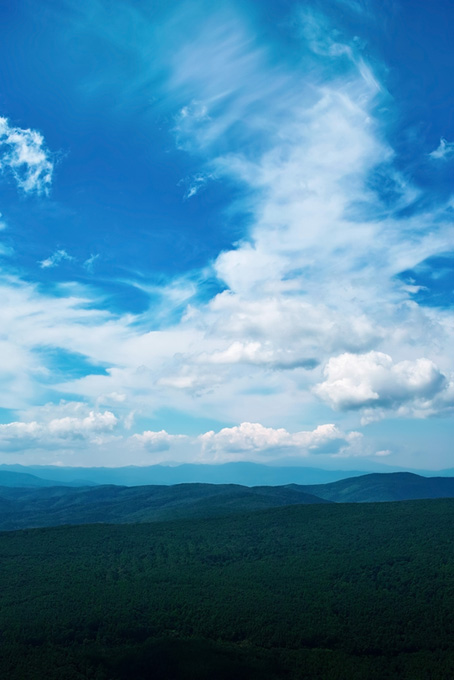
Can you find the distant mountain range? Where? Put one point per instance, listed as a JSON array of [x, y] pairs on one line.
[[38, 503], [24, 479], [247, 474], [244, 473]]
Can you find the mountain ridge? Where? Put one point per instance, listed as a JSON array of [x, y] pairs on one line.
[[245, 473], [54, 506], [27, 507], [378, 487]]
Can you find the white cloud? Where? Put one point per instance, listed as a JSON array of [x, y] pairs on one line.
[[55, 259], [99, 436], [286, 324], [316, 275], [34, 321], [158, 441], [444, 151], [82, 427], [373, 380], [251, 439], [58, 432], [257, 354], [23, 153]]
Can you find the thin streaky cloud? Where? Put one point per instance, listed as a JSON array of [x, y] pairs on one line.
[[55, 259], [89, 263], [444, 151]]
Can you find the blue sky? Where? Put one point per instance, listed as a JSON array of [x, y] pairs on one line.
[[227, 232]]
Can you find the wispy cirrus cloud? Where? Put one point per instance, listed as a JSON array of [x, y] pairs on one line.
[[89, 263], [196, 183], [444, 151], [55, 259]]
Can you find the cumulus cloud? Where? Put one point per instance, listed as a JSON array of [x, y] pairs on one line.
[[57, 432], [82, 427], [355, 381], [254, 438], [24, 155], [249, 441]]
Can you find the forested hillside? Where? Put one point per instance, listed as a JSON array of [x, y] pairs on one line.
[[376, 487], [26, 507], [332, 592], [53, 506]]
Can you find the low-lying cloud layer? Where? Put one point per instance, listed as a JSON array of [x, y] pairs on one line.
[[104, 434]]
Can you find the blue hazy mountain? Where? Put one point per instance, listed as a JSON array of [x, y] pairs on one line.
[[24, 479], [247, 474]]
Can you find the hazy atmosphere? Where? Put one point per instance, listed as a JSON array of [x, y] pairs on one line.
[[227, 233]]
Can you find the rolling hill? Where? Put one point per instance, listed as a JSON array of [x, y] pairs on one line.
[[34, 506], [53, 506], [375, 487]]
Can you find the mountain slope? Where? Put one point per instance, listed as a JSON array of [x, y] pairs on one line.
[[110, 504], [376, 487], [57, 505]]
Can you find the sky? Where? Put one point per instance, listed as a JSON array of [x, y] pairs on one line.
[[226, 232]]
